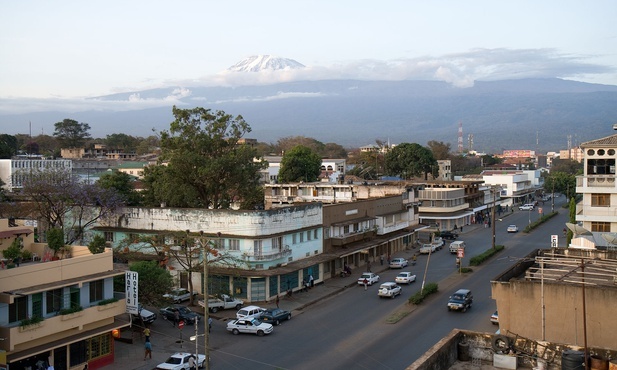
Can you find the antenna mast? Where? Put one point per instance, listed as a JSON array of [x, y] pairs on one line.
[[460, 137]]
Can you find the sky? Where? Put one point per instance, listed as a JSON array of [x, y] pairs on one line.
[[69, 50]]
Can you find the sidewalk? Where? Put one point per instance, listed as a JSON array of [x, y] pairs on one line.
[[129, 356]]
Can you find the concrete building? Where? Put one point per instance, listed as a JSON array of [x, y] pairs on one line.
[[597, 212], [14, 171], [445, 170], [517, 187], [57, 311], [444, 204]]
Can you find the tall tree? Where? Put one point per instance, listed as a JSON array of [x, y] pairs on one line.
[[122, 183], [411, 160], [66, 203], [300, 164], [201, 163], [154, 281], [560, 182], [440, 149], [122, 141], [572, 215], [8, 146], [71, 134]]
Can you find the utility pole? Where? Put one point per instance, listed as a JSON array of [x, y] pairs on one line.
[[493, 218]]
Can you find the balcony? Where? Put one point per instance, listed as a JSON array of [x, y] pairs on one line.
[[594, 181], [59, 326], [265, 256], [345, 239], [445, 209]]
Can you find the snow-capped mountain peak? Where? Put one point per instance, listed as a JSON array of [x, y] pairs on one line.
[[257, 63]]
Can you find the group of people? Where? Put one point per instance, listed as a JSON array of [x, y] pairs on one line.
[[308, 283]]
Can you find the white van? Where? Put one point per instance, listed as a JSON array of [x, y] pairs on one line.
[[454, 246], [250, 312]]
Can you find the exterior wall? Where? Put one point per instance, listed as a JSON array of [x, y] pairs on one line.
[[12, 171], [445, 170], [520, 312], [72, 153]]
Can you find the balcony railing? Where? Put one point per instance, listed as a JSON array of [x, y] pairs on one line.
[[345, 239], [595, 181], [265, 256]]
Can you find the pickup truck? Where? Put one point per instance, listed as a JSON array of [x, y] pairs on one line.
[[222, 303]]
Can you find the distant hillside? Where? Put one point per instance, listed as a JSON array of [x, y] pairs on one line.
[[518, 114]]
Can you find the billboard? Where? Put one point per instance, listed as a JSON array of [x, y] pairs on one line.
[[132, 300]]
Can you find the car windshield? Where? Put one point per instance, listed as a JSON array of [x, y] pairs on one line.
[[367, 276], [174, 360], [458, 297], [403, 274]]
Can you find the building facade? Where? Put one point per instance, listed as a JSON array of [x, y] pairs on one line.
[[14, 171], [60, 312]]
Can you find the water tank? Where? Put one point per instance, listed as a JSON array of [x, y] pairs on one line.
[[572, 360]]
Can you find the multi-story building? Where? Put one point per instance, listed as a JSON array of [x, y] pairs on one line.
[[14, 171], [61, 311], [446, 204], [267, 251], [597, 212]]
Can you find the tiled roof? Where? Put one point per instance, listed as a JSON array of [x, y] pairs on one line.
[[609, 141]]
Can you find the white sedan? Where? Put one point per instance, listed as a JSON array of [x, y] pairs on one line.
[[180, 361], [250, 325], [405, 277], [512, 229], [398, 263], [370, 277], [438, 242], [389, 290]]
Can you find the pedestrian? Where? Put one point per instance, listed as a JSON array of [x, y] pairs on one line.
[[388, 259], [461, 228], [176, 317], [277, 301], [381, 259], [192, 363], [365, 284], [455, 227], [147, 334], [368, 266], [148, 348], [311, 281]]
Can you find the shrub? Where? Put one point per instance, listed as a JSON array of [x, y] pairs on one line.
[[479, 259], [429, 288], [107, 301], [97, 245], [68, 311], [55, 240], [31, 321]]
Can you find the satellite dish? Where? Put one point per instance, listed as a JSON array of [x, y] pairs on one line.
[[611, 238], [577, 229]]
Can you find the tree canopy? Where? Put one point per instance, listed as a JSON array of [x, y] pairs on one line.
[[300, 164], [440, 149], [202, 165], [122, 183], [71, 133], [410, 160], [560, 182], [8, 146], [154, 281]]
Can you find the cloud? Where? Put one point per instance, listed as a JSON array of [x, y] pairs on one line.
[[458, 69]]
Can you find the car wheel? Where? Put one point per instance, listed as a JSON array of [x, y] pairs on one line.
[[276, 322], [289, 317], [260, 333], [238, 306], [235, 332], [464, 309], [214, 309], [203, 364]]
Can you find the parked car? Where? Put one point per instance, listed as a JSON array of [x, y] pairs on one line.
[[389, 290], [250, 312], [222, 303], [370, 277], [179, 295], [456, 245], [428, 248], [461, 300], [180, 361], [251, 326], [398, 263], [512, 229], [146, 316], [405, 277], [495, 318], [526, 207], [448, 235], [438, 241], [185, 314], [275, 316]]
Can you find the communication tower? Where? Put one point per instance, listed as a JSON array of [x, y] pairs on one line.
[[460, 136]]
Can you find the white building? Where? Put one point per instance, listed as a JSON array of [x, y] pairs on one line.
[[597, 212], [14, 171]]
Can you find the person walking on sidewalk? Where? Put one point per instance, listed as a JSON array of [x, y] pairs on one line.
[[147, 334], [311, 281], [381, 259], [365, 284], [277, 301], [148, 350]]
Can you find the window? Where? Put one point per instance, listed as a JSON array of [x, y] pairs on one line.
[[603, 227], [601, 166], [75, 297], [600, 200], [308, 235], [18, 310], [257, 247], [53, 301], [234, 244], [277, 243], [316, 234], [109, 236], [346, 229], [301, 237], [96, 291], [37, 305], [294, 239]]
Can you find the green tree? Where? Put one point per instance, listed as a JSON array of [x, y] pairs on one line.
[[147, 145], [560, 182], [572, 215], [153, 282], [122, 184], [71, 134], [566, 165], [97, 245], [122, 141], [440, 149], [202, 165], [410, 160], [55, 239], [8, 146], [300, 164]]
